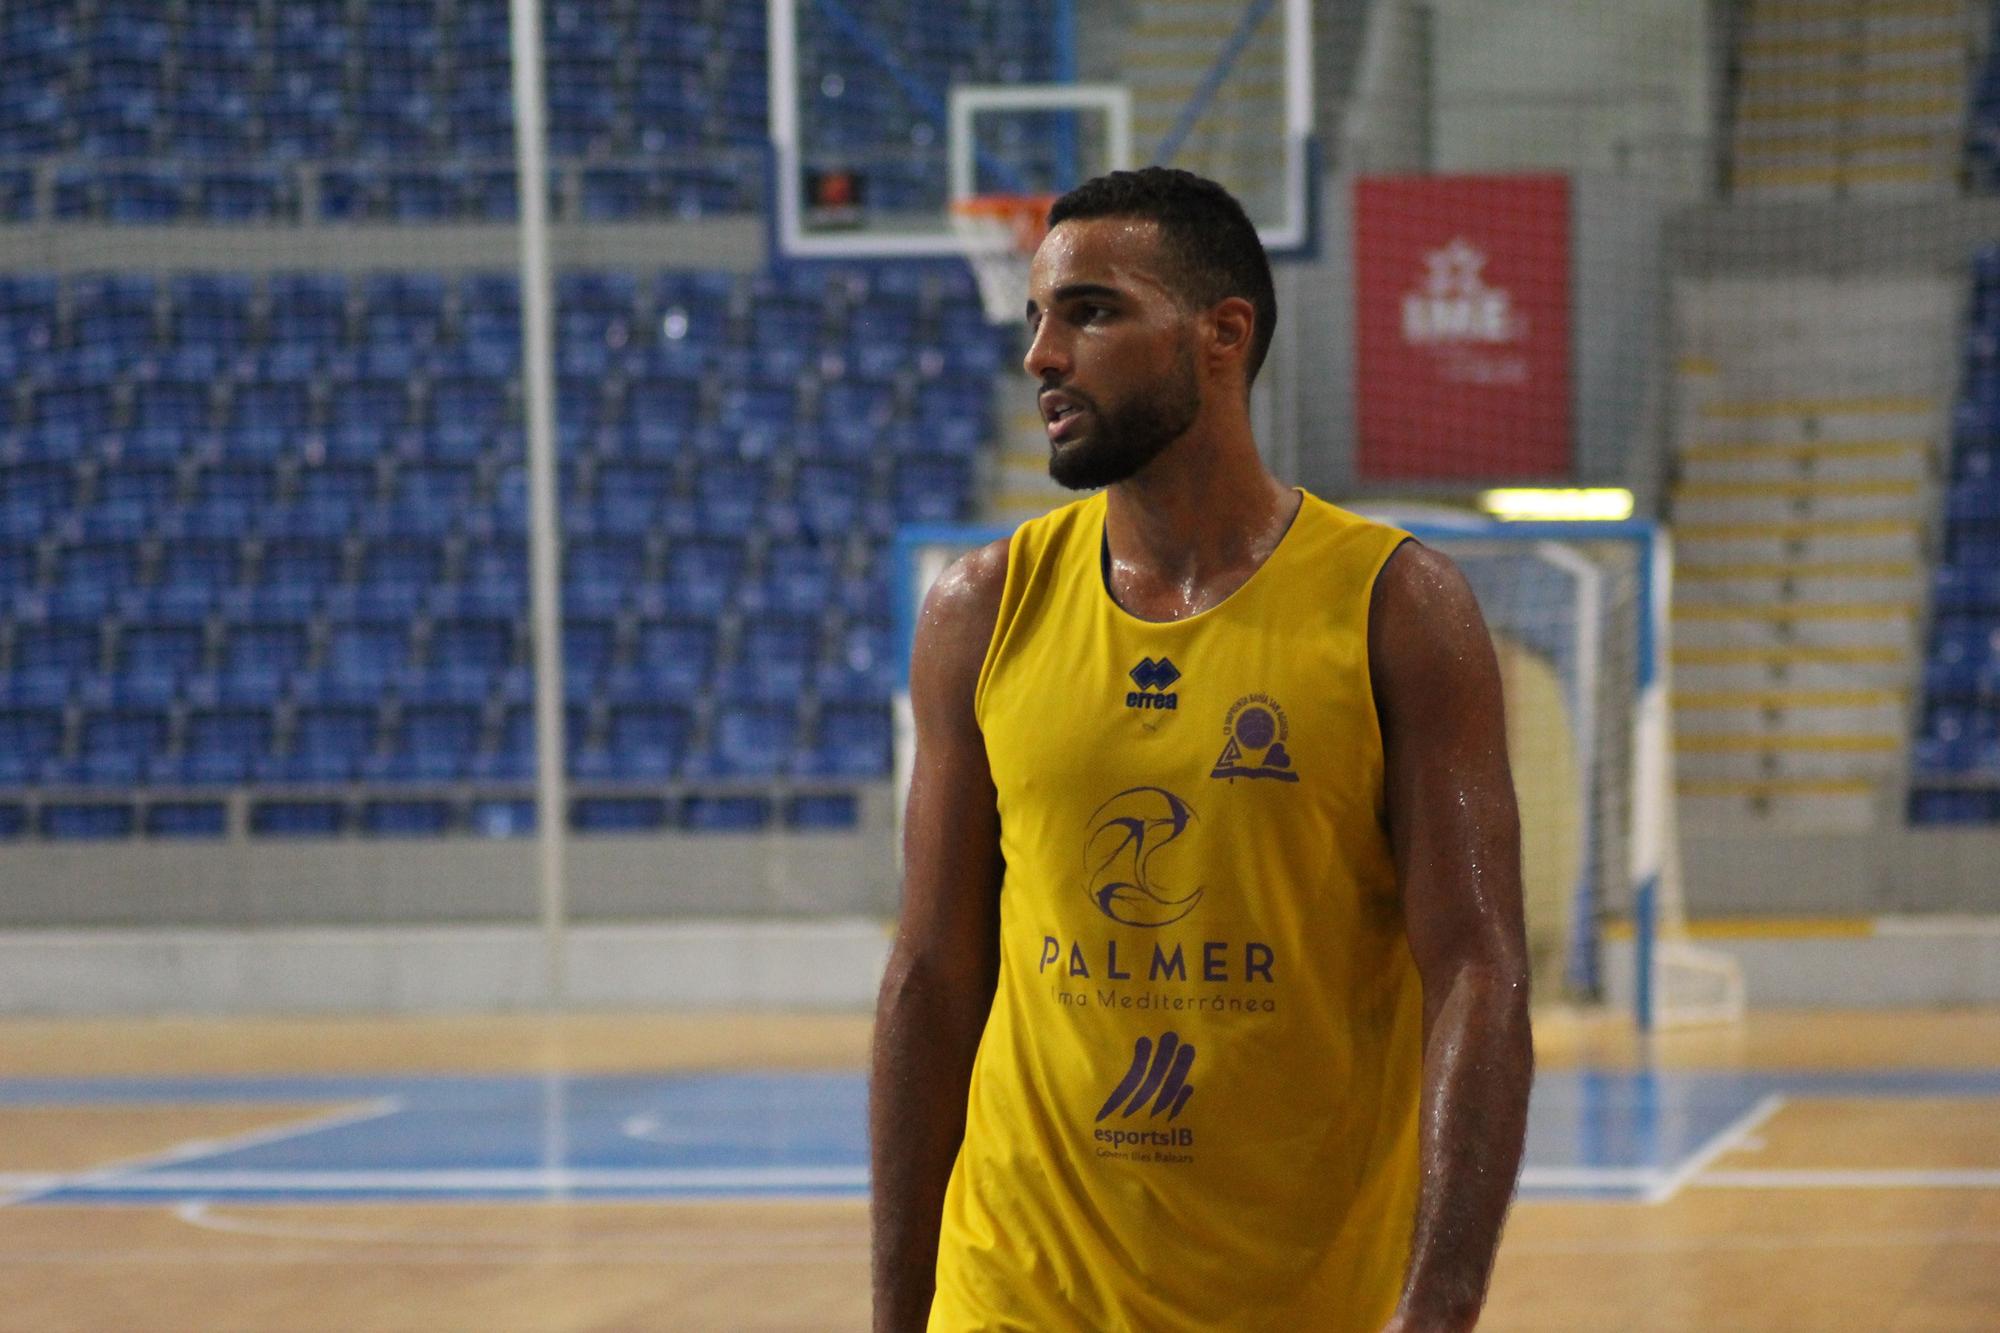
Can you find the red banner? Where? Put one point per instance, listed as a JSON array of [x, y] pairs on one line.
[[1462, 327]]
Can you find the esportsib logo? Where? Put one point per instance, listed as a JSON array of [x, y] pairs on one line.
[[1157, 1075]]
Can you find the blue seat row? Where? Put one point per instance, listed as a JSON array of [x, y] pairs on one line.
[[338, 743], [1955, 756], [97, 818]]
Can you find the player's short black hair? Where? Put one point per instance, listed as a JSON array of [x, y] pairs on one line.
[[1212, 250]]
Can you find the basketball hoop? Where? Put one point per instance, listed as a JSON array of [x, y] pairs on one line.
[[998, 234]]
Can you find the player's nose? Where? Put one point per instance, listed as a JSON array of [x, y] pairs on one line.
[[1046, 358]]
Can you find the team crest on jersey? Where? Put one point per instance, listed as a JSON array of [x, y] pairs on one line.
[[1258, 744]]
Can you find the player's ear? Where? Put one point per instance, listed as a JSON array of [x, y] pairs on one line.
[[1234, 322]]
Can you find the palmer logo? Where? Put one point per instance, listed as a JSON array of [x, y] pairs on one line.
[[1159, 1075], [1154, 680], [1456, 305]]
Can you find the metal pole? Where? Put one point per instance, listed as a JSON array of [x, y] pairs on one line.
[[544, 537]]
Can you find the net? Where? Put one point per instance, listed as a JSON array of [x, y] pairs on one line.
[[1574, 613], [998, 234]]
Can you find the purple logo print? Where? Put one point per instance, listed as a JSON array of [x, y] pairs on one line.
[[1156, 1075], [1127, 833], [1257, 733]]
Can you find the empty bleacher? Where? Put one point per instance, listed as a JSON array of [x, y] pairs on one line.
[[1810, 411], [263, 543], [241, 110], [1837, 98]]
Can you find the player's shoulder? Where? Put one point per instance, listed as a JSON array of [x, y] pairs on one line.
[[1424, 621], [1421, 578], [964, 602], [973, 581]]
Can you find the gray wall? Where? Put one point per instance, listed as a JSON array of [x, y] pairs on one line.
[[377, 881]]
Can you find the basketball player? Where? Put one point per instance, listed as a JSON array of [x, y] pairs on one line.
[[1208, 1006]]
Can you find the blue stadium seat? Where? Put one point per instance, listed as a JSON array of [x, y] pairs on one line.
[[308, 309], [329, 743], [117, 748], [862, 668], [306, 562], [30, 738], [730, 495], [186, 819], [702, 576], [648, 741], [366, 656], [224, 746], [619, 814], [852, 741], [751, 741], [726, 814], [773, 661], [195, 572], [245, 194], [87, 820], [799, 578], [478, 404], [266, 421], [435, 742], [484, 644], [247, 483], [298, 819], [932, 490], [588, 645], [422, 818], [675, 659]]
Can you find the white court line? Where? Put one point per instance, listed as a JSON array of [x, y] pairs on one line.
[[110, 1176], [1776, 1241], [483, 1181], [1731, 1137], [1590, 1177], [1889, 1178], [371, 1260]]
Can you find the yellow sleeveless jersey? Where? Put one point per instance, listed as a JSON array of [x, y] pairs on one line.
[[1195, 1103]]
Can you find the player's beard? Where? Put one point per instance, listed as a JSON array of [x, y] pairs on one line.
[[1128, 435]]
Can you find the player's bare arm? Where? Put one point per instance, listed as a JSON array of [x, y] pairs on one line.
[[1456, 837], [938, 987]]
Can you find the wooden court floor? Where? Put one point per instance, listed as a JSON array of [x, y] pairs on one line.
[[1869, 1202]]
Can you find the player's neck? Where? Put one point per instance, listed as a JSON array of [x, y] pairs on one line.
[[1206, 508]]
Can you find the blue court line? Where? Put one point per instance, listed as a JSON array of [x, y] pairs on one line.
[[1591, 1135]]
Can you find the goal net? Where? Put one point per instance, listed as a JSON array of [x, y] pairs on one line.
[[1576, 616]]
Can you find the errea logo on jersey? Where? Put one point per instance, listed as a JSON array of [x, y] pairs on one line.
[[1153, 679]]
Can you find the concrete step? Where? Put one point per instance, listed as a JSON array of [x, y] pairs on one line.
[[1807, 540], [1702, 756], [1865, 80], [1756, 54], [1886, 625], [1889, 717], [1723, 805], [1832, 146], [1776, 582], [1829, 460], [1840, 181], [1751, 674]]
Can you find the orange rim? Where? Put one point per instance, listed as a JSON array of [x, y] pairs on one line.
[[1025, 215]]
